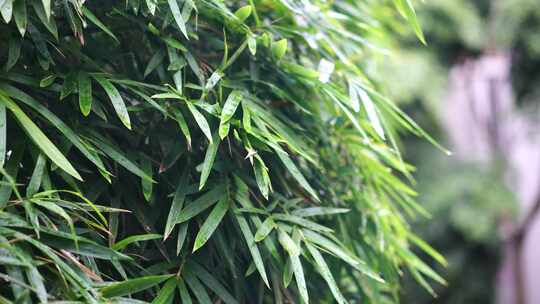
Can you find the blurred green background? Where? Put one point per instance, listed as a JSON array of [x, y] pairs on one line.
[[467, 200]]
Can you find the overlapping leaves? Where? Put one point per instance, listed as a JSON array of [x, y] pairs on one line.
[[233, 148]]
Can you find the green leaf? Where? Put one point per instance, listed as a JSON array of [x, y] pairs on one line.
[[47, 81], [132, 286], [173, 5], [287, 243], [341, 253], [316, 211], [40, 139], [38, 283], [230, 106], [371, 111], [201, 121], [45, 19], [296, 173], [135, 238], [154, 62], [264, 230], [202, 203], [279, 48], [14, 52], [261, 176], [21, 19], [252, 246], [197, 288], [166, 292], [212, 222], [182, 234], [184, 294], [326, 273], [243, 13], [7, 10], [47, 7], [85, 93], [301, 221], [177, 204], [298, 271], [252, 44], [56, 122], [183, 126], [406, 7], [287, 273], [146, 184], [88, 14], [209, 160], [3, 134], [69, 86], [116, 99], [211, 282], [37, 176], [119, 157]]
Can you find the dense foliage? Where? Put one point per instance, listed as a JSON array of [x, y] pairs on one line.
[[201, 150]]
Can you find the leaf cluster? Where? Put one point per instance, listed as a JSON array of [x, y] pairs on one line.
[[181, 150]]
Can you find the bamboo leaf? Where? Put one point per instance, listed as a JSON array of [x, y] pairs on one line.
[[296, 173], [298, 271], [14, 51], [146, 184], [154, 62], [212, 283], [47, 7], [37, 176], [212, 222], [21, 19], [209, 158], [116, 100], [197, 288], [252, 246], [177, 205], [6, 10], [201, 121], [173, 5], [326, 273], [123, 161], [40, 139], [85, 93], [135, 238], [201, 204], [264, 230], [3, 134], [166, 292], [88, 14], [184, 294], [132, 286]]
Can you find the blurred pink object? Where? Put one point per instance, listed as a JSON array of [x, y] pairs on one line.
[[483, 125]]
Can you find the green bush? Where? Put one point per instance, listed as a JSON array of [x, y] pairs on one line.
[[201, 150]]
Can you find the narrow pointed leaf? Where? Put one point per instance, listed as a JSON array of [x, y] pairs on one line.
[[132, 286], [173, 5], [40, 139], [201, 121], [209, 158], [252, 246], [116, 100], [264, 230], [85, 93], [211, 223]]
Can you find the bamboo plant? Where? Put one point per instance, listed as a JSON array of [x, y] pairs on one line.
[[202, 151]]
